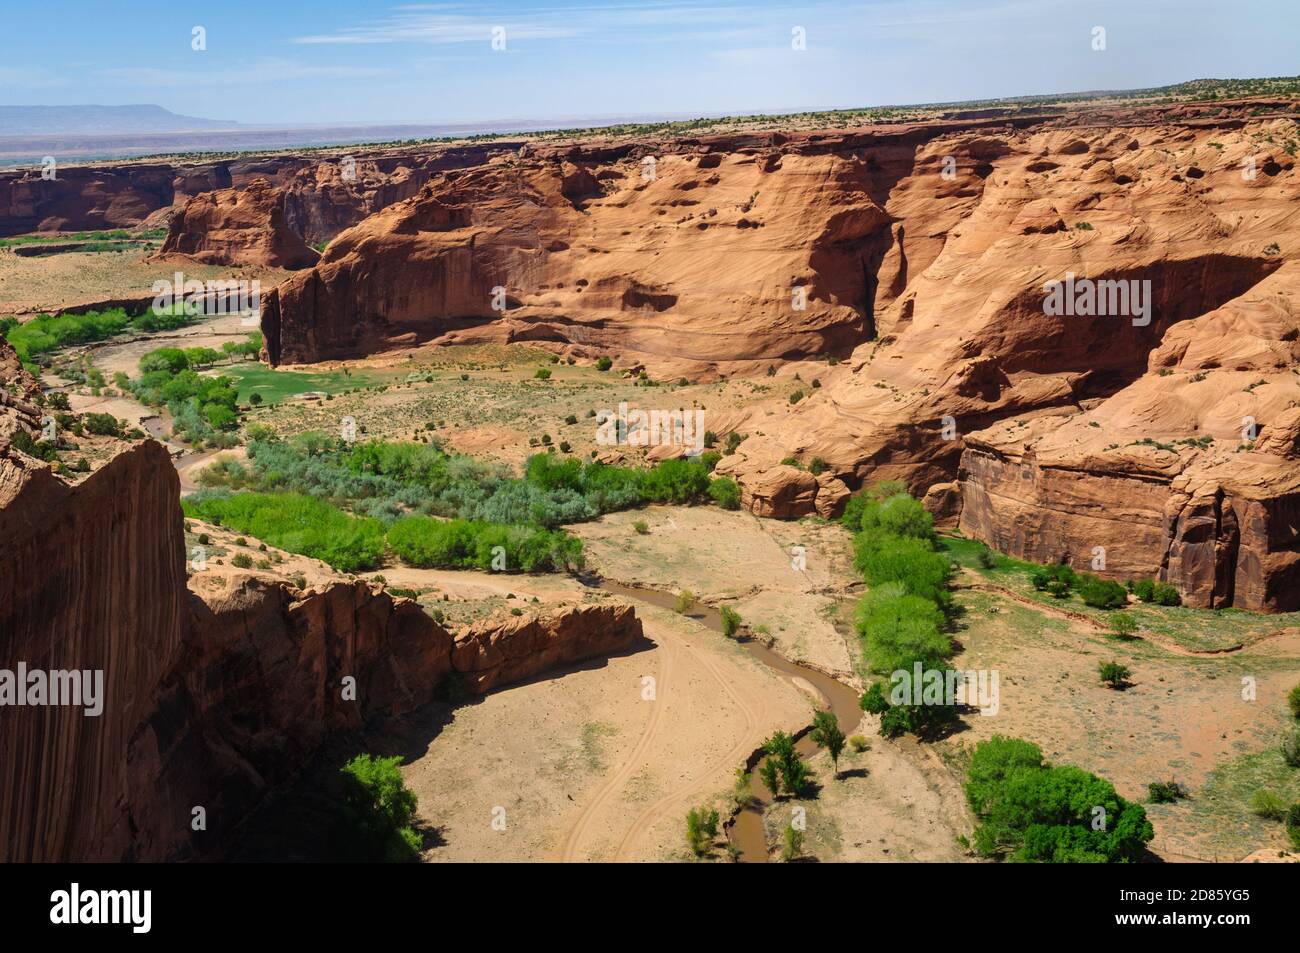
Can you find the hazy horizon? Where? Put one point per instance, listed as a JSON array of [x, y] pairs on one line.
[[339, 63]]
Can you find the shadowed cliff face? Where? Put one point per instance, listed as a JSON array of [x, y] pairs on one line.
[[91, 577]]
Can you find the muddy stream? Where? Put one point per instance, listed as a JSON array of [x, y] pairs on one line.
[[746, 832]]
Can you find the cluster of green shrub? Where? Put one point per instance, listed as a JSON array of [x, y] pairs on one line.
[[903, 618], [316, 528], [1029, 810], [204, 409], [388, 479], [463, 544], [296, 523], [1149, 590], [108, 235], [46, 333], [1060, 581]]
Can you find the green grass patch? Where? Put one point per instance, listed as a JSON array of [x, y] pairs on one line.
[[111, 235], [275, 386], [296, 523], [1222, 805]]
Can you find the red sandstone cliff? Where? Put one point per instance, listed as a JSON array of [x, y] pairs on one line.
[[237, 227]]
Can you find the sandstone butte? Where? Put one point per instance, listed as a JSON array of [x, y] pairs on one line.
[[218, 688], [923, 252], [237, 227]]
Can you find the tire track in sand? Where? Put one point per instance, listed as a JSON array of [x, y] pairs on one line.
[[569, 852], [735, 756], [671, 644]]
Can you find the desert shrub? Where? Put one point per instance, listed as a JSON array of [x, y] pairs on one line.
[[1029, 810], [462, 544], [604, 364], [103, 425], [791, 843], [381, 808], [298, 524], [1166, 595], [730, 621], [1165, 792], [1293, 825], [1123, 625], [1293, 701], [1102, 593], [986, 558], [1291, 747], [701, 829], [1145, 590], [858, 743], [542, 374], [1058, 589], [676, 481], [1268, 805], [242, 561], [725, 492], [46, 450], [1113, 674], [641, 527], [685, 602]]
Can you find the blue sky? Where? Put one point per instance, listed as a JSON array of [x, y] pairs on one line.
[[281, 61]]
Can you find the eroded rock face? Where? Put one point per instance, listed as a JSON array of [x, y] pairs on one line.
[[703, 254], [91, 577], [237, 227], [1067, 432], [492, 653]]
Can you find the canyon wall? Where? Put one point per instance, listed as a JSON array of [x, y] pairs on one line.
[[213, 694], [327, 191]]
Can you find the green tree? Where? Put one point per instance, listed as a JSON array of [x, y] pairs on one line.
[[791, 843], [730, 621], [826, 734], [1028, 810], [701, 829]]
